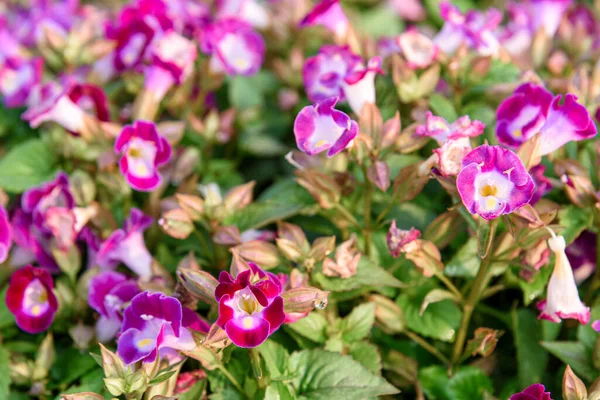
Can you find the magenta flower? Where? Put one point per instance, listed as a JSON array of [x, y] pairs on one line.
[[54, 194], [397, 239], [17, 79], [90, 98], [143, 151], [62, 223], [323, 74], [173, 59], [153, 323], [547, 14], [418, 49], [31, 244], [562, 298], [516, 37], [582, 256], [536, 391], [31, 299], [320, 127], [328, 13], [250, 307], [543, 185], [531, 110], [493, 182], [5, 235], [388, 45], [596, 325], [108, 294], [359, 84], [250, 11], [235, 48], [127, 246]]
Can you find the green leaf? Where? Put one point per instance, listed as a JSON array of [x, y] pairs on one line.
[[575, 220], [585, 333], [536, 288], [4, 373], [257, 215], [27, 164], [465, 262], [485, 235], [161, 378], [367, 354], [435, 296], [326, 375], [249, 91], [275, 357], [262, 145], [279, 391], [439, 321], [378, 21], [470, 383], [6, 317], [531, 357], [576, 355], [367, 274], [358, 323], [313, 327], [434, 382], [442, 107]]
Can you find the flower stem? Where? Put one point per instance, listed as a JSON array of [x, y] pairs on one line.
[[255, 361], [427, 346], [231, 378], [367, 218], [347, 214]]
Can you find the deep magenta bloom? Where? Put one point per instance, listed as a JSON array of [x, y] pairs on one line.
[[323, 74], [32, 245], [536, 391], [328, 13], [17, 79], [493, 182], [542, 184], [5, 235], [108, 294], [142, 151], [154, 323], [90, 98], [250, 307], [127, 246], [320, 127], [31, 299], [235, 48], [54, 194]]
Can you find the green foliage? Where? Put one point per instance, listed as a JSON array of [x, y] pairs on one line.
[[26, 165]]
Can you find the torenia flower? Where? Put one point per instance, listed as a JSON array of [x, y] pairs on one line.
[[235, 48], [5, 235], [562, 298], [321, 127], [582, 256], [31, 299], [532, 110], [127, 246], [153, 323], [398, 239], [17, 79], [547, 14], [54, 194], [143, 151], [359, 84], [108, 294], [418, 49], [323, 74], [328, 13], [250, 307], [90, 98], [536, 391], [493, 181], [173, 59], [250, 11]]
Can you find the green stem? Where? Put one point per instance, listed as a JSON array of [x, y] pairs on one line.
[[368, 200], [383, 214], [231, 378], [347, 214], [467, 217], [440, 275], [427, 346], [255, 361], [204, 243]]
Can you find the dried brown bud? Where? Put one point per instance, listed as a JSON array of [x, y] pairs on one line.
[[346, 261]]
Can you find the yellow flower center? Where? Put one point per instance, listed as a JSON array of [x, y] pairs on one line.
[[144, 342], [489, 190]]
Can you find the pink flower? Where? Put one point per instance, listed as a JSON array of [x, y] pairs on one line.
[[321, 127], [536, 391], [562, 298], [235, 48], [31, 299], [152, 324], [418, 50], [543, 185], [359, 84], [142, 151], [127, 246], [90, 98], [53, 194], [250, 11], [329, 14], [5, 235], [547, 14], [250, 307], [17, 79], [410, 10], [493, 181], [398, 239]]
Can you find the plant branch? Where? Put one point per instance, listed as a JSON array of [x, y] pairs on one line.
[[427, 346], [367, 219]]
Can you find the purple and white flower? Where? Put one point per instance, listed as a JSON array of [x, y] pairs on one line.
[[235, 48], [321, 127], [323, 74], [142, 151], [109, 293], [90, 98], [127, 246], [328, 13], [250, 307], [153, 323], [359, 84], [562, 298], [31, 299], [546, 14], [493, 182], [18, 77]]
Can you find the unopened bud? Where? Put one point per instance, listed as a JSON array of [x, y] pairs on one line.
[[239, 197], [200, 283], [262, 253], [138, 381], [192, 205], [295, 234], [44, 359], [426, 257], [321, 248], [379, 174], [82, 335], [81, 396], [185, 164], [176, 223], [390, 131], [115, 386], [304, 299], [289, 249], [444, 228], [237, 264], [573, 387], [111, 363], [388, 314], [227, 235], [322, 187], [83, 187]]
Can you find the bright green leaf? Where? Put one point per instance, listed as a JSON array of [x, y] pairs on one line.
[[531, 357], [358, 323], [367, 354], [576, 355], [575, 220], [442, 107], [313, 327], [27, 164], [275, 357]]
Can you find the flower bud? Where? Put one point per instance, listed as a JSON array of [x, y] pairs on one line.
[[138, 381], [82, 335], [237, 264], [83, 187], [200, 283], [426, 257], [81, 396], [111, 364], [573, 387], [239, 197], [289, 249], [185, 164], [192, 205], [259, 252], [294, 234], [444, 228], [390, 131], [379, 174], [44, 359], [388, 314], [321, 248], [227, 235], [322, 187], [176, 223], [304, 299], [115, 386]]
